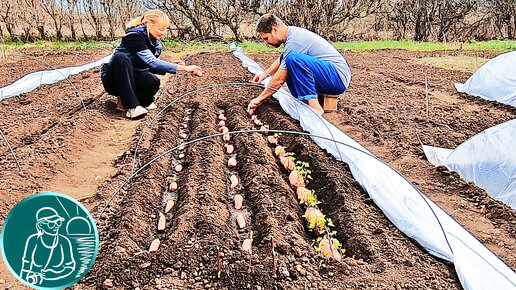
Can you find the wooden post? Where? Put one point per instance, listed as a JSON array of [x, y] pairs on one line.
[[329, 102]]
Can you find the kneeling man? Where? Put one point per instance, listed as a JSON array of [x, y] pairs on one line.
[[309, 64]]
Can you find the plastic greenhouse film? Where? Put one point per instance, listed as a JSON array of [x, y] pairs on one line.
[[494, 81], [488, 159], [414, 214], [33, 80]]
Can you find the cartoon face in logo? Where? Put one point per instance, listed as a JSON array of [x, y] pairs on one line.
[[60, 246]]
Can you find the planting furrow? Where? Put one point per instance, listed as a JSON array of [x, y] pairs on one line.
[[199, 230], [358, 221], [240, 212], [280, 241], [128, 228]]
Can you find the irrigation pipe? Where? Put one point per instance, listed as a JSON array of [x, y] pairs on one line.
[[207, 88], [46, 63], [12, 151], [187, 143]]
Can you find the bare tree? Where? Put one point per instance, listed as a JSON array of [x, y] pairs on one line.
[[129, 9], [93, 15], [398, 18], [328, 18], [8, 15], [112, 10], [31, 15], [70, 17], [232, 13], [54, 8], [193, 10], [429, 19], [504, 12]]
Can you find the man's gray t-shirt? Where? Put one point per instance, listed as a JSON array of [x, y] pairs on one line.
[[304, 41]]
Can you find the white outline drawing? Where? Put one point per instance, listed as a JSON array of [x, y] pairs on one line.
[[48, 255]]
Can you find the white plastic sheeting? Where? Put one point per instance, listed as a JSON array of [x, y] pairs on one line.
[[412, 212], [488, 159], [494, 81], [33, 80]]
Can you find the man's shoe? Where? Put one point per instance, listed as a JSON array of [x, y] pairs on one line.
[[152, 106], [136, 112]]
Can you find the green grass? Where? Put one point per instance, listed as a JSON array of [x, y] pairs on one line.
[[183, 48], [61, 45], [496, 45], [249, 47]]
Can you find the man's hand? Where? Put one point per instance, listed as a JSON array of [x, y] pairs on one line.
[[179, 62], [253, 104], [257, 79]]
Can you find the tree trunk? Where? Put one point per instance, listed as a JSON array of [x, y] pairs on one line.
[[74, 33], [41, 31], [234, 29]]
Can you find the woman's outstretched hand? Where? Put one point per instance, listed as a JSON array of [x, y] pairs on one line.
[[194, 69], [197, 70]]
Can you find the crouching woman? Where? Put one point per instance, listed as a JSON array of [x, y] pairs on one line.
[[130, 74]]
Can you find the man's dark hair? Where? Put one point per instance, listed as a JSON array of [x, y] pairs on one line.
[[266, 22]]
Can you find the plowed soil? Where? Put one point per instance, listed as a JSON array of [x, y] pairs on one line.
[[89, 155]]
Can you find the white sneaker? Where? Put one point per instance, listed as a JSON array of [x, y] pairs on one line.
[[136, 112], [152, 106]]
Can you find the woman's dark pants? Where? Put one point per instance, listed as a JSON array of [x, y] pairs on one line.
[[132, 86]]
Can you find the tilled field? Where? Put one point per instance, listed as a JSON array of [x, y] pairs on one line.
[[201, 243]]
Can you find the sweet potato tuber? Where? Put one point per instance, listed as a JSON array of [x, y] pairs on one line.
[[304, 195], [247, 246], [232, 162], [234, 181], [287, 163], [226, 137], [222, 123], [154, 246], [241, 220], [239, 200], [279, 151], [230, 149], [296, 180], [179, 168], [161, 222], [273, 140], [316, 220], [169, 206], [173, 186], [224, 129], [330, 248], [222, 117]]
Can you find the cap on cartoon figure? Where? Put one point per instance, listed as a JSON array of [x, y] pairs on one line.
[[48, 214]]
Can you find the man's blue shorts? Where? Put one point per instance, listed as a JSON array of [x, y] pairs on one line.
[[308, 76]]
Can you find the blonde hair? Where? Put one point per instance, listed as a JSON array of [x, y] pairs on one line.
[[154, 17]]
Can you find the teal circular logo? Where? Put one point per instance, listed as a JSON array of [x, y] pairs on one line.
[[49, 241]]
